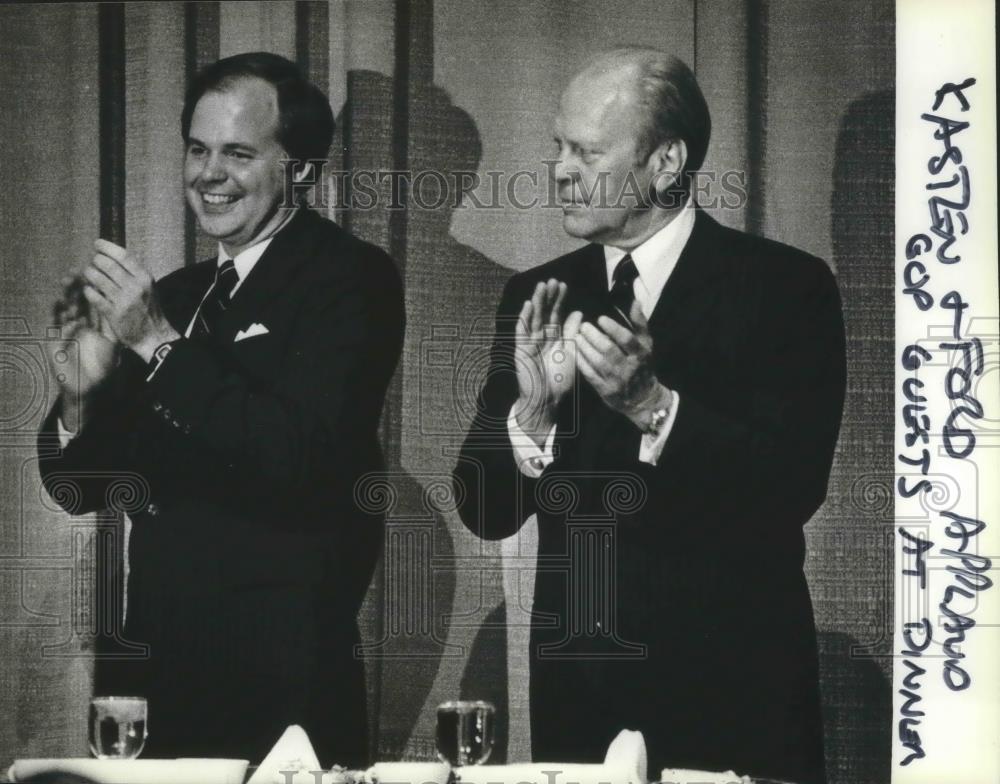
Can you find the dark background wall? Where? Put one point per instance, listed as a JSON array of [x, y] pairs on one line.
[[802, 102]]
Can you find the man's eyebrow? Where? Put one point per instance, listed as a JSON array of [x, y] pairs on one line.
[[588, 145], [227, 146]]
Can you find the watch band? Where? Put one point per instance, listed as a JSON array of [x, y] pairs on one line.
[[657, 419], [659, 415], [160, 354]]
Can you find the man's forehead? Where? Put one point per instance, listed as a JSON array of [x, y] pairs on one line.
[[595, 107], [246, 100]]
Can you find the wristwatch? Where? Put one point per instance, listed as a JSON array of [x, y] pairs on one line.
[[658, 417], [159, 355]]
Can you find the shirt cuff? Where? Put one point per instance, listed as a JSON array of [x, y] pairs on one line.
[[531, 459], [651, 447], [65, 436]]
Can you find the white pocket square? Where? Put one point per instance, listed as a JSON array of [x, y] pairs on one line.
[[250, 332]]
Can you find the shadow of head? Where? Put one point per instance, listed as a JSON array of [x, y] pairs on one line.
[[426, 135]]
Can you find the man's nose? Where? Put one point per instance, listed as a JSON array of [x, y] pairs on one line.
[[214, 169], [565, 171]]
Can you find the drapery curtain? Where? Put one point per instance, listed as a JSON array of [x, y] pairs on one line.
[[801, 100]]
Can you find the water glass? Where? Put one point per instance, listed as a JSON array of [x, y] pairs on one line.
[[117, 727], [465, 731]]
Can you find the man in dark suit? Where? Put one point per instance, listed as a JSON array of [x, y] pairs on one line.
[[240, 397], [667, 400]]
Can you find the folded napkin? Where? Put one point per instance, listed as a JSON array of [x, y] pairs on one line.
[[628, 751], [137, 771], [292, 752], [624, 763], [683, 776], [408, 773]]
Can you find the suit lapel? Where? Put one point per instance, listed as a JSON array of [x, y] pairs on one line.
[[269, 276], [676, 314], [694, 272], [585, 420], [586, 281], [182, 292]]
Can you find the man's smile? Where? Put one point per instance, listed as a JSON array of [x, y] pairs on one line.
[[216, 203]]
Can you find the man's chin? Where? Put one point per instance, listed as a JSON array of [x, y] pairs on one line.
[[218, 227], [578, 226], [574, 224]]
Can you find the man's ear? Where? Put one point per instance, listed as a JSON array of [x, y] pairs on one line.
[[667, 162], [304, 172], [299, 188]]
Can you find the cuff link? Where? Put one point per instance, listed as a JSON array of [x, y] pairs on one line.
[[656, 421]]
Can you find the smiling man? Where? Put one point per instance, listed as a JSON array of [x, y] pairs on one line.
[[239, 398], [666, 400], [233, 172]]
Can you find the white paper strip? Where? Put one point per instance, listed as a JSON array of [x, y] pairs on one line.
[[947, 402]]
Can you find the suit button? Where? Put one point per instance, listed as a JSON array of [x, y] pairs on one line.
[[153, 510], [157, 406]]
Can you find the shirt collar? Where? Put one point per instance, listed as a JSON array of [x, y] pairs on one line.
[[246, 259], [656, 258]]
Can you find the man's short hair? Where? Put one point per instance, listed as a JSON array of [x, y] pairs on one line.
[[305, 124], [675, 108]]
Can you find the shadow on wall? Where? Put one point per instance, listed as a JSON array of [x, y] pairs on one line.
[[857, 702], [485, 678], [857, 691], [452, 287]]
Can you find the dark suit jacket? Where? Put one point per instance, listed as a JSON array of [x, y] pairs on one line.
[[248, 557], [671, 599]]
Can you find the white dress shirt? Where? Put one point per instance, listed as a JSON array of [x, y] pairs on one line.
[[655, 260], [244, 261]]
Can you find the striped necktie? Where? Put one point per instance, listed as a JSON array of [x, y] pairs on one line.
[[622, 290], [217, 299]]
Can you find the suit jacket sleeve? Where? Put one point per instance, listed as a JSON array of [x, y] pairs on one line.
[[269, 442], [775, 456], [768, 453], [301, 428], [82, 476], [494, 496]]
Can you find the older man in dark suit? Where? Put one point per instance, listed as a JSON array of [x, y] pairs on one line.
[[667, 400], [243, 395]]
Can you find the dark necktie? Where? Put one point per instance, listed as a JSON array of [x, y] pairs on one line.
[[622, 293], [217, 300]]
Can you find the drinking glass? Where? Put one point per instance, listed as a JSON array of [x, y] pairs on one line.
[[465, 731], [117, 727]]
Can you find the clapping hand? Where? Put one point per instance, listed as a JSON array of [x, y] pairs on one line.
[[121, 290], [84, 356], [618, 364], [544, 357]]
